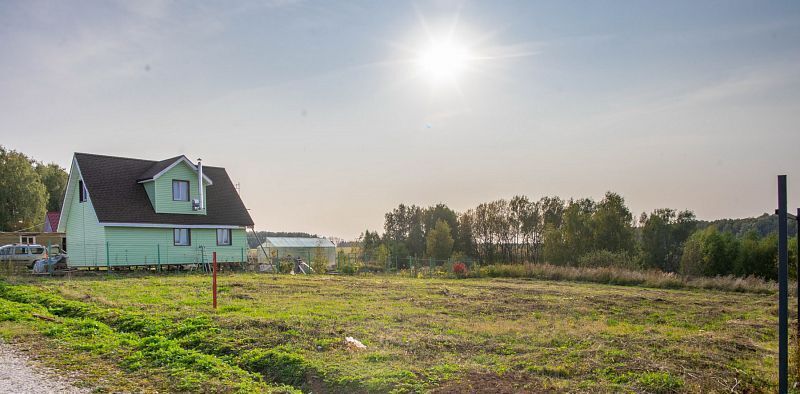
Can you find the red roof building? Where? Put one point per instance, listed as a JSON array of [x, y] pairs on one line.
[[51, 221]]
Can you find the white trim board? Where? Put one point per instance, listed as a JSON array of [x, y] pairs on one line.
[[62, 219], [183, 158], [167, 225]]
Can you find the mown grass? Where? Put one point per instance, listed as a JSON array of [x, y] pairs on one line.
[[441, 335]]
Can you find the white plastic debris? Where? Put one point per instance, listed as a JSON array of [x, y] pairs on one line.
[[354, 343]]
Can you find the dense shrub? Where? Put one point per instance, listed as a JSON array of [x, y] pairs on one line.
[[709, 252], [460, 269], [348, 269]]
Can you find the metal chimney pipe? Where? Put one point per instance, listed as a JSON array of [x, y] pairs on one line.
[[200, 182]]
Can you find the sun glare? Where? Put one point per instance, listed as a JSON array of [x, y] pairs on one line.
[[443, 61]]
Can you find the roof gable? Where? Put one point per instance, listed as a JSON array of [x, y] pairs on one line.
[[162, 167], [118, 197], [51, 220]]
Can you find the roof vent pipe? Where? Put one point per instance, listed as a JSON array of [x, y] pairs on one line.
[[200, 182]]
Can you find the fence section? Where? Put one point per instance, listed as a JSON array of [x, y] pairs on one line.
[[410, 265], [116, 254]]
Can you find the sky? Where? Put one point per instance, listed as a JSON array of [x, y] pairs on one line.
[[329, 114]]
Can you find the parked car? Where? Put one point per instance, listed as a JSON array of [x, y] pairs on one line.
[[19, 254]]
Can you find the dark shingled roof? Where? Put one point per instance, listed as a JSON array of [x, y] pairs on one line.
[[157, 167], [117, 196]]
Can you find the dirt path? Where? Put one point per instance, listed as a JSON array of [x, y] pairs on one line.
[[18, 374]]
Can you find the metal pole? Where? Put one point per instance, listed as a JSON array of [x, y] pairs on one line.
[[783, 287], [214, 281]]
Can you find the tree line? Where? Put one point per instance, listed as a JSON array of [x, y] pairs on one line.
[[577, 232], [28, 189]]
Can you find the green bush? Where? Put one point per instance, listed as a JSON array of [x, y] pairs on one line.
[[349, 269]]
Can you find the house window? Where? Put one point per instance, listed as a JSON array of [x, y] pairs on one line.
[[82, 191], [180, 190], [24, 239], [182, 237], [223, 236]]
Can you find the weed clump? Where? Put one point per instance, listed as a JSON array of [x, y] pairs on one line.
[[659, 382], [277, 365]]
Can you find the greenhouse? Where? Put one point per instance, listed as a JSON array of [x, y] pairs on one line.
[[308, 249]]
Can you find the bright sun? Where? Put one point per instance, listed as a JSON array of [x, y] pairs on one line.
[[443, 61]]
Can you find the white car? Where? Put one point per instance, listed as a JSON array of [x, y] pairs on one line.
[[22, 254]]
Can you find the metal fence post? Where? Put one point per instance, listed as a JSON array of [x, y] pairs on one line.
[[214, 284], [158, 256], [108, 256], [783, 289], [49, 249]]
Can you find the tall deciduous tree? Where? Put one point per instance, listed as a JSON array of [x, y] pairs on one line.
[[663, 233], [439, 241], [22, 195], [54, 179], [370, 241], [612, 224]]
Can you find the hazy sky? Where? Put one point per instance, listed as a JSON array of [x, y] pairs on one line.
[[327, 117]]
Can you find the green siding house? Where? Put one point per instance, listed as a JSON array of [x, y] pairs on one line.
[[123, 212]]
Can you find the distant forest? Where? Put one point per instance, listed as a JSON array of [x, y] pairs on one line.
[[763, 225], [580, 232]]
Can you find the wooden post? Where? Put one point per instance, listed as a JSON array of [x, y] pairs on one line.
[[214, 281]]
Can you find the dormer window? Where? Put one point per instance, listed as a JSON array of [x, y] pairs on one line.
[[180, 190]]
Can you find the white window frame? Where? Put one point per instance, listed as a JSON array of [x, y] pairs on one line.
[[177, 238], [31, 239], [227, 234], [180, 182]]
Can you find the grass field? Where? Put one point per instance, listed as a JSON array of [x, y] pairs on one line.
[[495, 335]]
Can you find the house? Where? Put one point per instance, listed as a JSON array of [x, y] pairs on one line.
[[51, 221], [308, 249], [121, 211], [33, 237]]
